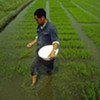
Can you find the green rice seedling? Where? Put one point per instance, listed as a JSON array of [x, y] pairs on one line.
[[22, 68], [69, 3], [75, 44], [80, 15], [25, 54], [74, 65], [87, 7], [89, 91], [8, 6], [93, 3], [72, 53], [55, 18], [93, 33], [67, 37], [72, 44]]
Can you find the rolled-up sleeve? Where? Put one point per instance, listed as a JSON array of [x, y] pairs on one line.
[[54, 36]]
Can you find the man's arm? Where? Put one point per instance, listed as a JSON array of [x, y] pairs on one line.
[[29, 45]]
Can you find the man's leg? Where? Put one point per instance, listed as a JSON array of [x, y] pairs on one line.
[[34, 79], [34, 70]]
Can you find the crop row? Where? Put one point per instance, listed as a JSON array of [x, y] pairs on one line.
[[68, 38], [93, 33], [95, 3], [87, 7], [74, 60], [7, 6], [80, 14]]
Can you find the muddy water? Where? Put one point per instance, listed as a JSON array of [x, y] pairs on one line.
[[10, 90], [14, 89]]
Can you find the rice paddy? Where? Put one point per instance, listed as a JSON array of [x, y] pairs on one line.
[[76, 74]]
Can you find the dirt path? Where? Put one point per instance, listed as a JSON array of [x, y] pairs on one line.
[[88, 43]]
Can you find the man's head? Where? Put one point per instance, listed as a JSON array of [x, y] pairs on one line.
[[40, 16]]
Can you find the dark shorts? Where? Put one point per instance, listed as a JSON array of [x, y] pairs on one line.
[[41, 66]]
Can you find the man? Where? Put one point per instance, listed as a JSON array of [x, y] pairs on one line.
[[46, 35]]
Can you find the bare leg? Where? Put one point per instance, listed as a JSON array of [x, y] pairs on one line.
[[34, 80]]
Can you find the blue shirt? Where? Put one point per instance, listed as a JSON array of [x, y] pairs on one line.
[[47, 35]]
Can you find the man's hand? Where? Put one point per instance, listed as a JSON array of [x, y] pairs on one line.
[[29, 45], [52, 55]]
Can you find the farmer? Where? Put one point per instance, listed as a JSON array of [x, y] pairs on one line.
[[46, 35]]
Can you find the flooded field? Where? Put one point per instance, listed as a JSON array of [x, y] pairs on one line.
[[77, 67]]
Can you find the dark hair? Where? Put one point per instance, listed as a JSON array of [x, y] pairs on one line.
[[40, 12]]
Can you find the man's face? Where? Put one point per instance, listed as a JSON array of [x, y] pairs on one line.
[[40, 21]]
